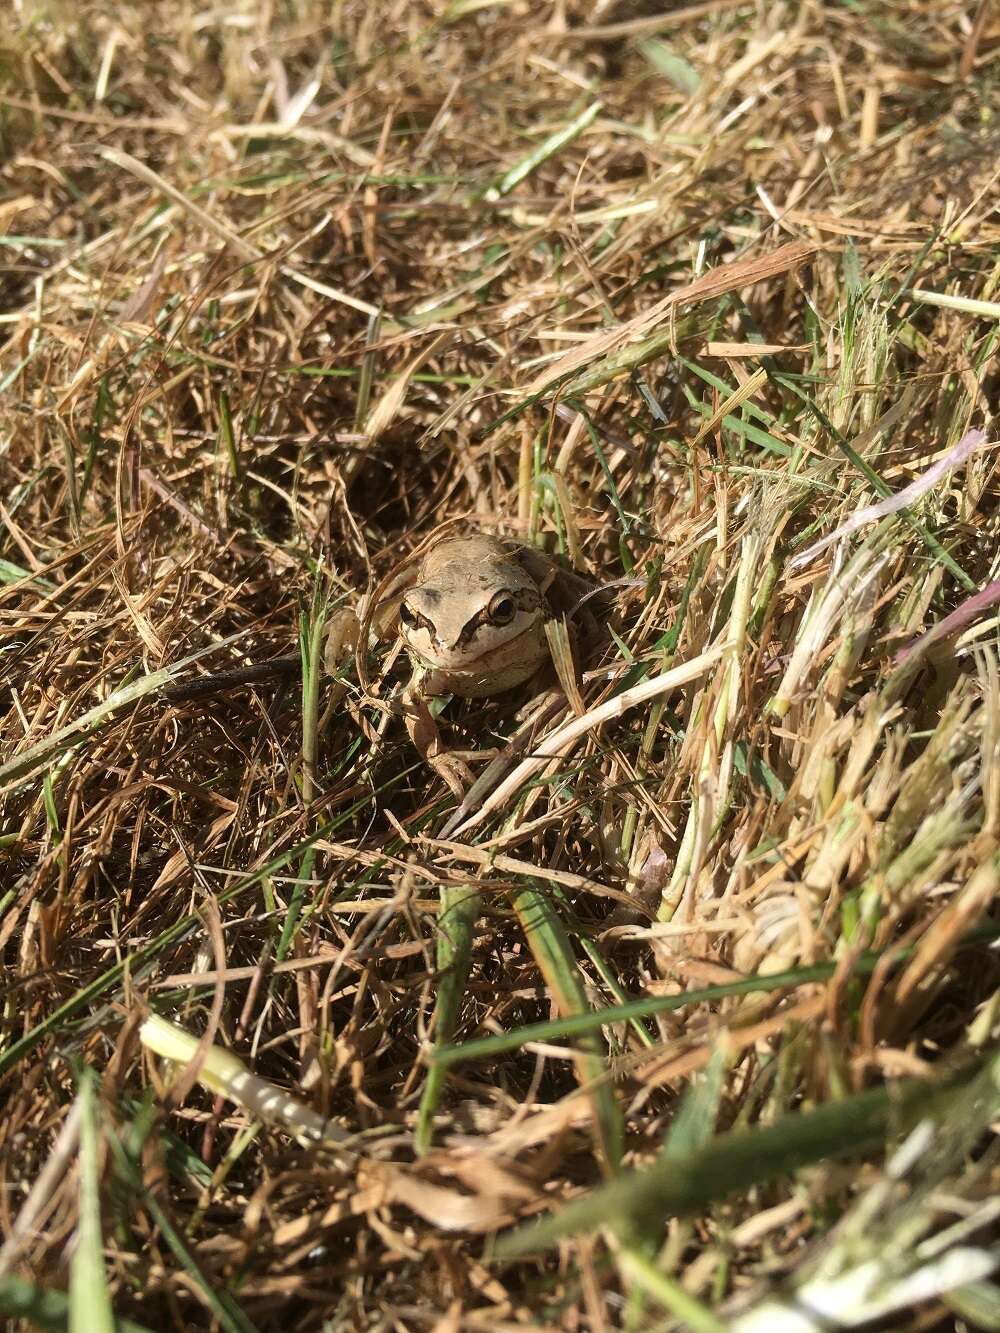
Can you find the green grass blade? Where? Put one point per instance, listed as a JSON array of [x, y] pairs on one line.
[[45, 1308], [694, 1123], [871, 476], [89, 1299], [523, 169], [552, 951], [11, 573], [630, 357], [606, 973], [582, 1023], [311, 629], [978, 1303], [135, 960], [638, 1270], [679, 1185], [223, 1307], [35, 757], [674, 68], [460, 906]]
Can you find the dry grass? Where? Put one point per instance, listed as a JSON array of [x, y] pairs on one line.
[[271, 276]]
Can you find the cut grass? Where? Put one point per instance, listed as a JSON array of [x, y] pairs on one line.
[[289, 293]]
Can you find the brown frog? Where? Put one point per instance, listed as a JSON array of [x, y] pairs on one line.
[[474, 624]]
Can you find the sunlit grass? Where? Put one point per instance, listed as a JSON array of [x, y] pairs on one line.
[[686, 1017]]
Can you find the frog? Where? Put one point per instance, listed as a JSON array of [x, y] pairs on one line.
[[477, 618], [474, 624]]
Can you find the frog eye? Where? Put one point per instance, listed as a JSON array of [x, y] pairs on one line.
[[408, 617], [502, 609]]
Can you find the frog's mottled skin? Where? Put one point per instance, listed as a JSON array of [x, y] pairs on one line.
[[473, 624], [451, 626]]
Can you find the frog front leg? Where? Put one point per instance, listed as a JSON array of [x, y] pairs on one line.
[[425, 734]]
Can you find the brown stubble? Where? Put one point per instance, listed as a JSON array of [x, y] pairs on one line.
[[201, 224]]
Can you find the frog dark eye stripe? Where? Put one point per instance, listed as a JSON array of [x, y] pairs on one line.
[[520, 599], [414, 619]]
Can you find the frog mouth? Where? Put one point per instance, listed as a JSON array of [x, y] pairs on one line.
[[470, 683], [460, 661]]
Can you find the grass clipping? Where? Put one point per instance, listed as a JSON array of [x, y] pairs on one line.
[[686, 1016]]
